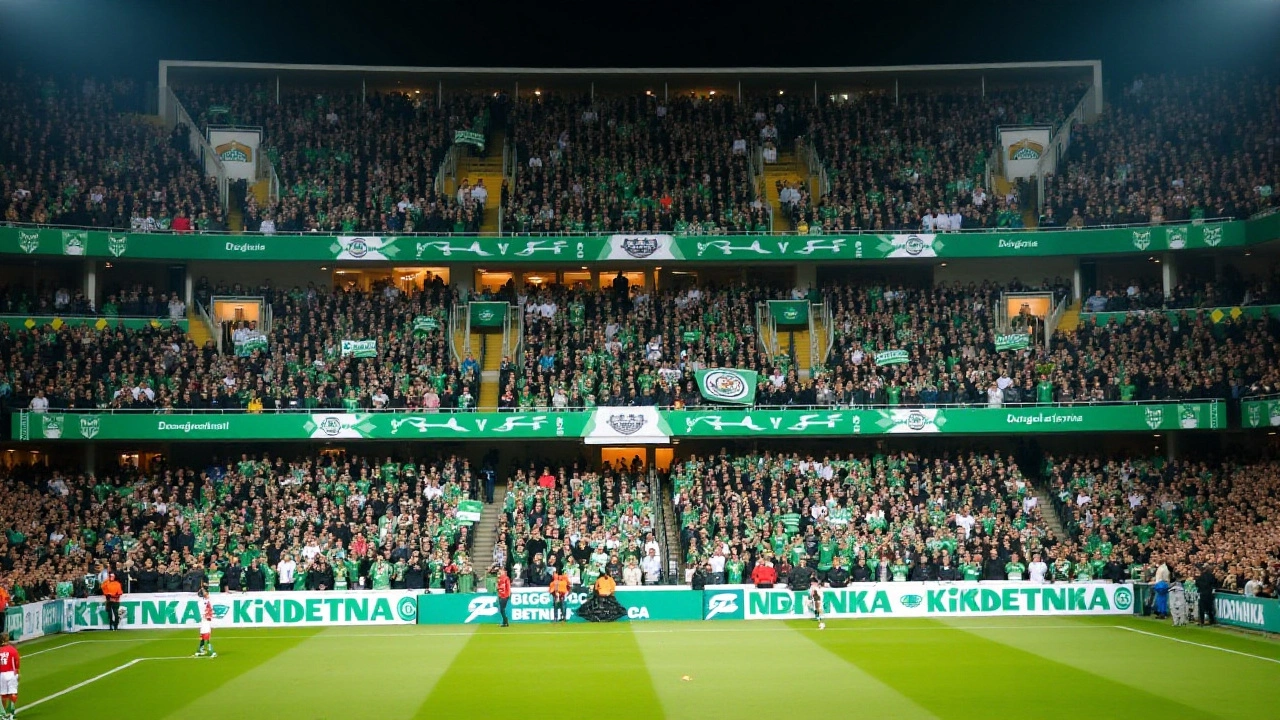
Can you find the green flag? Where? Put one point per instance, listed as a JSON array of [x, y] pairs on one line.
[[360, 348], [466, 137], [789, 312], [728, 385], [424, 325], [469, 511], [892, 357], [245, 348], [488, 314], [1016, 341]]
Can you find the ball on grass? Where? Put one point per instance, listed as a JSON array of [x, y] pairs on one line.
[[686, 678], [822, 626]]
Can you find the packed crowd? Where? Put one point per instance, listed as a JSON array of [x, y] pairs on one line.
[[317, 522], [949, 334], [917, 160], [348, 162], [584, 522], [71, 155], [635, 164], [890, 517], [1172, 148], [134, 300], [405, 362], [1184, 515], [630, 347]]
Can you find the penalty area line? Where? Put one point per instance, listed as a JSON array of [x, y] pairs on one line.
[[96, 678], [1203, 645]]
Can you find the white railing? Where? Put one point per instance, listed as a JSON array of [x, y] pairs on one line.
[[811, 161], [829, 332], [760, 328], [175, 114]]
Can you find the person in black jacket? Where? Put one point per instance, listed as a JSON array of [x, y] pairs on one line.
[[946, 571], [861, 573], [254, 579], [837, 576], [320, 576], [148, 578], [415, 573], [192, 581], [993, 569], [233, 577], [1206, 583], [801, 576], [701, 576]]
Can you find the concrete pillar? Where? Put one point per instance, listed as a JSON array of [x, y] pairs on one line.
[[806, 276], [1171, 446], [188, 287], [91, 282], [90, 457], [1077, 289], [1169, 272], [463, 277]]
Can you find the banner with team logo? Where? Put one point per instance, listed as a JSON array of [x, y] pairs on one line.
[[257, 609], [789, 312], [641, 247], [752, 249], [922, 599], [1260, 413], [630, 425], [487, 314], [1015, 341], [728, 385], [360, 348], [627, 426]]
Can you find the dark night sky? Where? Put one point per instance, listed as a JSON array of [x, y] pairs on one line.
[[118, 37]]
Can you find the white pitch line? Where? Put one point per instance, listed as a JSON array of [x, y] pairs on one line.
[[96, 678], [1203, 645], [56, 647]]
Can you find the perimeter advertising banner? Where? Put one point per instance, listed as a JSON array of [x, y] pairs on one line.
[[33, 620], [641, 248], [260, 609], [923, 599], [1260, 413], [622, 425], [533, 605], [1254, 613]]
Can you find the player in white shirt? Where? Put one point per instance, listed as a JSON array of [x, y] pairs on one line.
[[206, 626]]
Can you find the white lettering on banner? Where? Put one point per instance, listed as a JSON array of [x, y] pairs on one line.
[[264, 609], [933, 599], [188, 427], [724, 603], [1240, 611]]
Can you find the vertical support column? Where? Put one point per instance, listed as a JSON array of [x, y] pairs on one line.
[[1171, 446], [984, 86], [364, 92], [739, 93], [1077, 289], [895, 91], [1169, 272], [806, 275], [439, 93], [593, 91], [277, 89], [815, 92], [188, 287], [91, 281], [90, 457], [463, 277], [665, 95], [1097, 89]]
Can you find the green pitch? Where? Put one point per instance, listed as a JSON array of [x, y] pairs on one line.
[[965, 668]]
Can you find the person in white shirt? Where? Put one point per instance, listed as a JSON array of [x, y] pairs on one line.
[[285, 570], [268, 226], [632, 576], [310, 550], [380, 399], [957, 220], [965, 521], [979, 197], [651, 565], [995, 396], [928, 222], [1037, 570], [39, 403], [717, 567], [177, 308], [651, 544], [61, 299], [480, 193], [942, 222], [739, 147]]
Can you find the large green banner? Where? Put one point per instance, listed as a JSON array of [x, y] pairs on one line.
[[532, 605], [1253, 613], [616, 426], [977, 420], [488, 314], [256, 609], [57, 322], [1260, 413], [921, 599], [640, 248], [789, 312]]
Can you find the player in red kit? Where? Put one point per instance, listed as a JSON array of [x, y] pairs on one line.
[[206, 626], [9, 664]]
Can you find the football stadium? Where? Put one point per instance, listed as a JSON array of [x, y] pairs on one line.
[[391, 382]]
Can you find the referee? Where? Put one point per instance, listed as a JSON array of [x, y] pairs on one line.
[[112, 591]]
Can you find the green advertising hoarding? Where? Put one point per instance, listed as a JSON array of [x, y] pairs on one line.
[[617, 426], [533, 605], [488, 314], [1253, 613], [1213, 315], [636, 248]]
